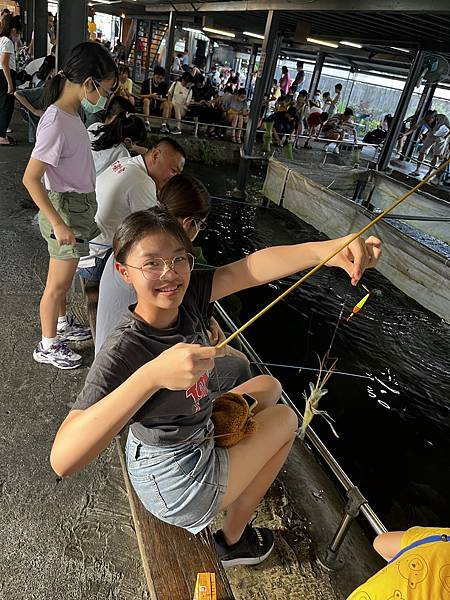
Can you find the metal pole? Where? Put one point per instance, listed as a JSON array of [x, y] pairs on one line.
[[424, 104], [315, 77], [394, 129], [135, 54], [262, 80], [40, 28], [170, 45], [72, 28], [251, 68], [273, 62], [28, 20], [209, 57], [351, 88], [355, 502], [149, 47]]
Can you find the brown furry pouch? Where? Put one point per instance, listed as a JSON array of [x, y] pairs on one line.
[[233, 419]]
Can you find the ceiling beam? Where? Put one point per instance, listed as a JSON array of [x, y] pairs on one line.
[[304, 6]]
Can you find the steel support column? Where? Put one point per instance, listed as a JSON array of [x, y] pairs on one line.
[[170, 45], [315, 77], [262, 79], [424, 104], [72, 28], [400, 112], [251, 68], [27, 13], [273, 62], [40, 28]]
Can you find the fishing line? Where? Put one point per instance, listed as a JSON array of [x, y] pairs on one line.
[[301, 368], [327, 355], [333, 254]]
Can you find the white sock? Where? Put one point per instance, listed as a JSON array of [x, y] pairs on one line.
[[47, 342], [62, 321]]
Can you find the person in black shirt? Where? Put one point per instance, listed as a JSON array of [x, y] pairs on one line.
[[201, 105], [153, 92], [284, 123]]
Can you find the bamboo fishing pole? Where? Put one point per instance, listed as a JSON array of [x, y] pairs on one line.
[[311, 272]]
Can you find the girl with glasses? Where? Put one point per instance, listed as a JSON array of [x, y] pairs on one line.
[[60, 178], [154, 370]]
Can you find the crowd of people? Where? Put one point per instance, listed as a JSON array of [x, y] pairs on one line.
[[126, 216]]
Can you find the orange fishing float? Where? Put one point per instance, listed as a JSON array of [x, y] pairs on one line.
[[360, 304]]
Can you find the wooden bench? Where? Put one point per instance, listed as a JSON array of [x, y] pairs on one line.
[[171, 556]]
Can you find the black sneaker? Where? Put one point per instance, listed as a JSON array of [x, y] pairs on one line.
[[254, 546]]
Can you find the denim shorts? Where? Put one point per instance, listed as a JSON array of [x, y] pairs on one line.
[[183, 484]]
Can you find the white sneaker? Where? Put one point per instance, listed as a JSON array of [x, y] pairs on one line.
[[164, 129], [72, 331], [148, 128], [59, 355]]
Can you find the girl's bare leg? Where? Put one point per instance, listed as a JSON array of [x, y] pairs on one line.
[[388, 544], [264, 388], [146, 108], [239, 124], [233, 123], [59, 280], [255, 462], [177, 111], [166, 109]]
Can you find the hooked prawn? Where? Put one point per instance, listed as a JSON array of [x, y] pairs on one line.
[[317, 391]]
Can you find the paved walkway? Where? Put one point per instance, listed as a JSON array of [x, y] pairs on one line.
[[71, 539]]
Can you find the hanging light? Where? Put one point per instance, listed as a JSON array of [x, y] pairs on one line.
[[351, 44], [322, 42], [255, 35], [219, 32], [400, 49]]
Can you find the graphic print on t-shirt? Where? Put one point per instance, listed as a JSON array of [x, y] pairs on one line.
[[198, 391]]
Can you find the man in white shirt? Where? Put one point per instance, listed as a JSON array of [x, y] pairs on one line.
[[129, 185]]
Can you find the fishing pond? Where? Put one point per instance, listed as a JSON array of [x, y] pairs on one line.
[[393, 421]]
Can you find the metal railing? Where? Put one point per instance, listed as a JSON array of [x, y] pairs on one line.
[[356, 503]]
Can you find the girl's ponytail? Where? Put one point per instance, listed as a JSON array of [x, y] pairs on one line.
[[53, 90], [124, 126], [87, 59]]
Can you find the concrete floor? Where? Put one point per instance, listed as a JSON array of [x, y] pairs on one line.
[[74, 539], [68, 539]]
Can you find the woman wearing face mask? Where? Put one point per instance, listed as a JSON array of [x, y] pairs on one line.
[[112, 141], [62, 157], [10, 27]]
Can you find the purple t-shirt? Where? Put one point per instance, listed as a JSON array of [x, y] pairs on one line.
[[62, 142]]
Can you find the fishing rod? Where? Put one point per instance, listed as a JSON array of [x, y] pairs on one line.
[[314, 270]]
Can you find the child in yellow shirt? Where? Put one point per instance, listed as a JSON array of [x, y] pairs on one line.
[[418, 567]]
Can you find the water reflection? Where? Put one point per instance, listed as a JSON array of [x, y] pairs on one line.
[[393, 432]]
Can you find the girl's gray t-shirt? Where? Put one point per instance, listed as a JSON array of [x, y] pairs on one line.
[[168, 417]]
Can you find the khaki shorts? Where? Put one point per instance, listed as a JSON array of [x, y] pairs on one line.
[[78, 212], [436, 144]]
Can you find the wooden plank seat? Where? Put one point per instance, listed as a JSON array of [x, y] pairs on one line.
[[171, 556]]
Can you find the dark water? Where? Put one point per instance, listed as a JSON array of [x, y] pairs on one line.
[[394, 429]]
